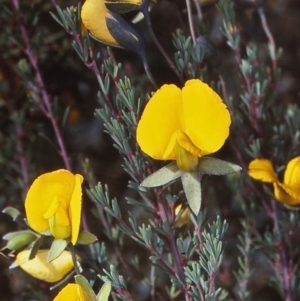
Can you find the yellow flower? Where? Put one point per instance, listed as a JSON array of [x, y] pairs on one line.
[[183, 125], [53, 203], [287, 192], [72, 292], [93, 16], [82, 291], [40, 268]]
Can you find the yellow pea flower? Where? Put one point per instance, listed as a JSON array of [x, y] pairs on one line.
[[287, 192], [93, 16], [72, 292], [40, 268], [82, 291], [53, 204], [183, 125]]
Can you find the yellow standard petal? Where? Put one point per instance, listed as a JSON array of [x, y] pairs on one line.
[[40, 268], [292, 173], [161, 118], [43, 192], [75, 208], [69, 292], [206, 118], [93, 15], [262, 170]]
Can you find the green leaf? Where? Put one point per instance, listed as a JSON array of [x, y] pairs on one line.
[[163, 176], [57, 247], [80, 280], [86, 238], [217, 167], [192, 187], [12, 212], [36, 246], [104, 292]]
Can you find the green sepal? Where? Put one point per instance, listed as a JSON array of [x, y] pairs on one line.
[[163, 176], [12, 212], [35, 246], [13, 265], [191, 183], [80, 280], [86, 238], [104, 292], [121, 7], [216, 167], [57, 247]]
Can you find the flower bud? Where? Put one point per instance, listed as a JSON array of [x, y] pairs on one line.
[[19, 239]]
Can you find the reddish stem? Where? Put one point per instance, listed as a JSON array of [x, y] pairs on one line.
[[43, 95]]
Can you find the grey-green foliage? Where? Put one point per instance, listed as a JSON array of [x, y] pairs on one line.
[[188, 57], [246, 247], [122, 128], [201, 274]]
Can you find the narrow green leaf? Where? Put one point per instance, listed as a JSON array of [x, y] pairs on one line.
[[217, 167], [57, 247], [80, 280], [104, 292], [86, 238], [192, 187], [12, 212], [163, 176], [35, 246]]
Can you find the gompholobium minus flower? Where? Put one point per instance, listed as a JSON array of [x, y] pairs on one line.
[[287, 192], [40, 268], [185, 125], [82, 291], [53, 204]]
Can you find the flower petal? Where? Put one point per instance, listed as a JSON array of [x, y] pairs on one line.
[[41, 194], [69, 292], [287, 195], [206, 117], [262, 170], [161, 118], [40, 268], [93, 15], [292, 173], [75, 208]]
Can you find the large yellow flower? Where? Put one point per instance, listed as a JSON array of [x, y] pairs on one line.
[[40, 268], [53, 203], [183, 125], [287, 192]]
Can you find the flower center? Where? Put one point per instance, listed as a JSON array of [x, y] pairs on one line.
[[59, 221], [185, 160]]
